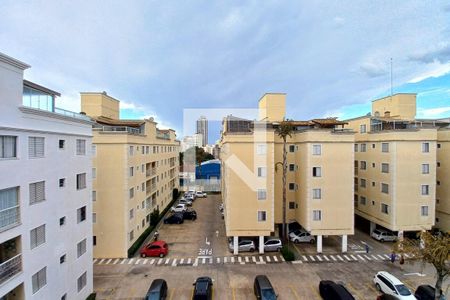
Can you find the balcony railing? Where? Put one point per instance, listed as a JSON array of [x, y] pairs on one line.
[[10, 268], [151, 172], [151, 188], [9, 217], [72, 114], [119, 129]]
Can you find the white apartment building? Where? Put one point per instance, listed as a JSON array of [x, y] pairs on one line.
[[45, 192]]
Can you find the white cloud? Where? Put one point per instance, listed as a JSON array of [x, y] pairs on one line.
[[438, 112], [434, 70]]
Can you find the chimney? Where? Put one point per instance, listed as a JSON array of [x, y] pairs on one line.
[[387, 114]]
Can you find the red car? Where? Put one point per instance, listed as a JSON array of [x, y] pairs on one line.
[[158, 248]]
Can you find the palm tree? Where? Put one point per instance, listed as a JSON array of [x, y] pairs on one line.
[[284, 130]]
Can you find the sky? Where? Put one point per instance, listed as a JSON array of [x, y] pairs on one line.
[[331, 58]]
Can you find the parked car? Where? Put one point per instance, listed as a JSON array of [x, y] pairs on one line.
[[294, 226], [383, 236], [157, 290], [300, 236], [186, 202], [272, 244], [190, 197], [158, 248], [243, 246], [386, 297], [199, 194], [426, 292], [176, 218], [202, 289], [329, 290], [263, 289], [389, 284], [178, 208], [190, 215]]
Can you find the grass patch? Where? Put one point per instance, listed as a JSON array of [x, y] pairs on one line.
[[287, 253]]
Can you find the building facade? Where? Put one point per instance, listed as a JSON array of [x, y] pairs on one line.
[[202, 128], [45, 192], [135, 169], [396, 162], [319, 177], [443, 179]]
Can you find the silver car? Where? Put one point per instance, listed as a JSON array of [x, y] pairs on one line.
[[273, 245], [243, 246], [300, 236], [384, 236], [187, 202]]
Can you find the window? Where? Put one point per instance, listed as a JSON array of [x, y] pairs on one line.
[[385, 188], [81, 248], [81, 147], [291, 186], [363, 165], [438, 182], [261, 149], [39, 280], [142, 149], [81, 214], [438, 164], [94, 218], [317, 215], [425, 147], [262, 216], [373, 183], [8, 146], [262, 171], [356, 148], [62, 182], [35, 147], [425, 189], [143, 186], [62, 221], [317, 172], [81, 282], [425, 169], [291, 205], [147, 149], [94, 173], [131, 213], [292, 167], [317, 149], [131, 235], [362, 128], [131, 151], [384, 208], [94, 240], [131, 172], [81, 181], [363, 147], [373, 146], [62, 144], [424, 211], [362, 182], [94, 195], [37, 192], [62, 259], [37, 236], [317, 193], [384, 147], [291, 148], [131, 193], [64, 297], [94, 150], [262, 194], [384, 168], [362, 200]]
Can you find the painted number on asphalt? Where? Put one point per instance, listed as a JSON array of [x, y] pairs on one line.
[[202, 251]]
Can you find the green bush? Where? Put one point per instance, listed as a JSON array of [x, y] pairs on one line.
[[175, 194], [154, 217], [91, 297], [287, 254]]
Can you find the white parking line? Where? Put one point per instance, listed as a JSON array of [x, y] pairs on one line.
[[240, 260], [108, 261], [338, 256], [275, 258], [174, 262], [304, 258], [101, 261], [167, 261], [346, 257], [387, 256], [312, 258], [247, 259], [225, 260], [354, 258], [326, 258], [374, 257], [282, 258], [232, 259], [203, 260], [380, 256], [130, 261], [152, 261], [195, 262], [407, 255], [218, 260], [116, 261], [145, 261], [367, 257], [362, 258], [254, 259], [137, 261], [181, 261], [210, 260], [160, 261], [268, 259], [95, 260], [261, 260], [189, 261], [319, 258], [332, 257]]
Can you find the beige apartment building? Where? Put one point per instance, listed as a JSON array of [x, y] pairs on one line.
[[135, 169], [319, 178], [399, 163]]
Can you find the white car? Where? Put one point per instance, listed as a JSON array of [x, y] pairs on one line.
[[187, 202], [389, 284], [199, 194], [383, 236], [178, 208], [301, 236]]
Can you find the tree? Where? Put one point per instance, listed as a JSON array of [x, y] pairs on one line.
[[284, 130], [432, 249]]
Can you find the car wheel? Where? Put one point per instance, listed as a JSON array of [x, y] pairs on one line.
[[278, 249], [252, 249], [296, 241], [378, 287], [161, 255], [382, 240], [312, 241], [143, 255]]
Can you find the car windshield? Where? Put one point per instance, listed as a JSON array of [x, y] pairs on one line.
[[153, 296], [402, 290], [268, 294], [377, 232]]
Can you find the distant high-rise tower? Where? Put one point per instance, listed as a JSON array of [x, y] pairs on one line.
[[202, 128]]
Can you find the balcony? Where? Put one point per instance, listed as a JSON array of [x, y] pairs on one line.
[[10, 268], [118, 129], [151, 172], [151, 188], [9, 217]]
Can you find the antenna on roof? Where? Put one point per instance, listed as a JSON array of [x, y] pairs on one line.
[[391, 79]]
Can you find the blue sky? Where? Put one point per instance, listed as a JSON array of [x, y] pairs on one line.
[[159, 57]]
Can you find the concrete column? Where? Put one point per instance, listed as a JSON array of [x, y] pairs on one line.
[[235, 245], [319, 244], [400, 235], [344, 243], [261, 244], [372, 227]]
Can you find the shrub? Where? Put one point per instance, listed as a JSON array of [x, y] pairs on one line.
[[154, 217], [91, 296], [287, 253], [175, 194]]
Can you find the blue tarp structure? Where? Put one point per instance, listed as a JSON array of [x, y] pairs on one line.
[[208, 170]]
